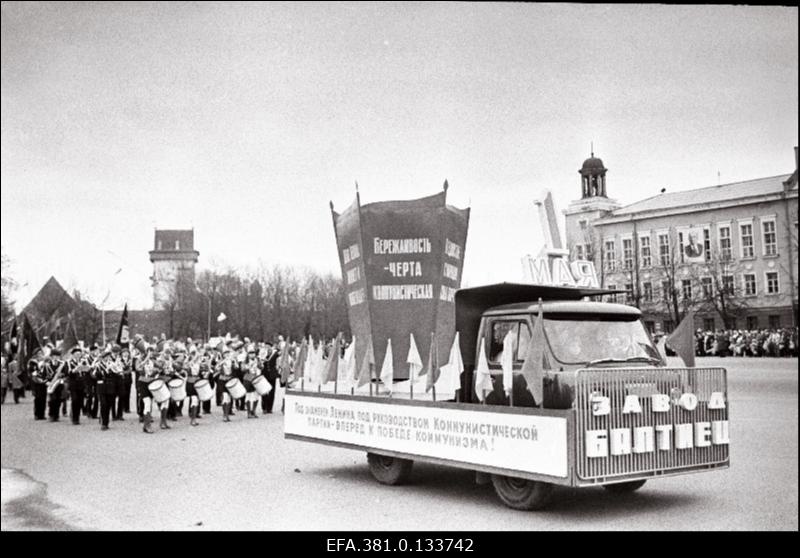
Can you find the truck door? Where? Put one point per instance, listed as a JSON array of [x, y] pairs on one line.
[[494, 332]]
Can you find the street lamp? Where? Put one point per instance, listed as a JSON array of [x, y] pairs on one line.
[[103, 306]]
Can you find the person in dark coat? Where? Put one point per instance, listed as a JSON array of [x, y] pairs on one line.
[[78, 369], [270, 371], [105, 387], [39, 379]]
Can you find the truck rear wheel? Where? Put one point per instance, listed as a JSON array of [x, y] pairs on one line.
[[522, 494], [389, 470], [624, 487]]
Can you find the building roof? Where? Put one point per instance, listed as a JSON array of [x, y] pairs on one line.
[[52, 300], [710, 194], [592, 164]]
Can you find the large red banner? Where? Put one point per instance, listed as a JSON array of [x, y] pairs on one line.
[[401, 264]]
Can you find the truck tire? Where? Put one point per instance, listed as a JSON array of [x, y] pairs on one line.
[[522, 494], [389, 470], [624, 487]]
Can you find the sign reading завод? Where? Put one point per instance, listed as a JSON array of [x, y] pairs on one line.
[[519, 442], [401, 265]]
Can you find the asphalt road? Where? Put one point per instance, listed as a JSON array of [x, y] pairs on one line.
[[244, 475]]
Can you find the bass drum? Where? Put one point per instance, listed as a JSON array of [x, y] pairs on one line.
[[235, 388], [159, 390], [204, 390], [261, 385], [177, 389]]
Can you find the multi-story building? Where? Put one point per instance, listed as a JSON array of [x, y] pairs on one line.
[[729, 252]]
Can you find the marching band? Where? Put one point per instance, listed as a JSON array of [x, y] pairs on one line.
[[98, 382]]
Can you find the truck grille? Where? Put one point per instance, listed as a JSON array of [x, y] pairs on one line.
[[630, 455]]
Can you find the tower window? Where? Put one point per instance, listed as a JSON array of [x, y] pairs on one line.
[[160, 245], [177, 244]]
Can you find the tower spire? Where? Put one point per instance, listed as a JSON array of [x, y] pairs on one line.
[[591, 148]]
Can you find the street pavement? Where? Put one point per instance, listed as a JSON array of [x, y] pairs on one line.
[[244, 475]]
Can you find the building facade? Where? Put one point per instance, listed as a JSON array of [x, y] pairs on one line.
[[728, 252], [174, 259]]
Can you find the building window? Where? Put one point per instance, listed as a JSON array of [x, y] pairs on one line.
[[774, 322], [727, 284], [708, 324], [708, 287], [629, 293], [612, 297], [686, 289], [579, 251], [770, 238], [707, 244], [669, 325], [647, 287], [752, 322], [650, 326], [177, 244], [627, 253], [772, 282], [730, 323], [610, 256], [588, 251], [749, 284], [725, 253], [666, 291], [582, 224], [663, 249], [644, 249], [160, 245], [746, 239], [680, 243]]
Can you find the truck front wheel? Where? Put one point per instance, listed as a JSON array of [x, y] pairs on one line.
[[624, 487], [389, 470], [522, 494]]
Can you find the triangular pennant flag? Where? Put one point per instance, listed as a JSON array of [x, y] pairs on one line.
[[483, 377], [332, 366], [308, 365], [682, 340], [123, 333], [507, 361], [533, 368], [387, 370], [300, 360], [432, 371], [413, 360], [284, 364], [367, 365], [450, 379], [347, 373]]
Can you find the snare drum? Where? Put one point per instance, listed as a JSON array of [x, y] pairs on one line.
[[262, 386], [177, 389], [235, 388], [204, 391], [159, 390]]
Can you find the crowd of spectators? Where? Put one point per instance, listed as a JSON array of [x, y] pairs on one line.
[[747, 343]]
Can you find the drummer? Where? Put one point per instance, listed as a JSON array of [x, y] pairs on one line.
[[146, 374], [206, 365], [251, 372], [163, 369], [191, 392], [223, 374]]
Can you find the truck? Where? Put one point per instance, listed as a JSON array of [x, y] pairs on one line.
[[610, 412]]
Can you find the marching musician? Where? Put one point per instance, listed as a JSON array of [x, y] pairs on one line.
[[124, 400], [194, 401], [205, 373], [90, 384], [146, 374], [250, 366], [53, 370], [38, 384], [77, 370], [105, 387], [224, 373], [164, 372], [117, 369], [271, 374]]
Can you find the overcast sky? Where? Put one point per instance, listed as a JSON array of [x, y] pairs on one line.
[[245, 120]]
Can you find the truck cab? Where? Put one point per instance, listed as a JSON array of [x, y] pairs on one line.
[[577, 334]]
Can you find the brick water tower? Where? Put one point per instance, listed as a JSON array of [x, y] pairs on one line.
[[174, 259]]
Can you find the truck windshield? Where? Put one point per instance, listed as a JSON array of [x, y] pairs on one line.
[[576, 340]]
